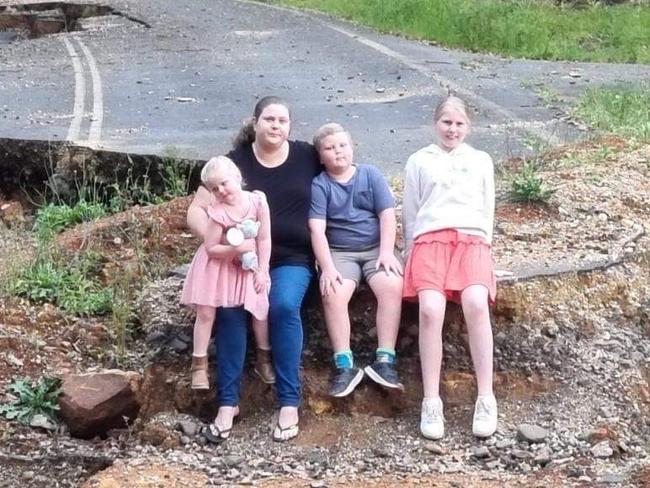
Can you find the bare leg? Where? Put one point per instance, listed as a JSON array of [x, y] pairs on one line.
[[337, 317], [432, 315], [474, 300], [203, 329], [261, 333], [388, 290]]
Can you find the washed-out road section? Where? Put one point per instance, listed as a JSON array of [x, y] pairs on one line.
[[184, 75]]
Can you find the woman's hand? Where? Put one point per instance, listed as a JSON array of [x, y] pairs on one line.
[[329, 280], [390, 263], [261, 281]]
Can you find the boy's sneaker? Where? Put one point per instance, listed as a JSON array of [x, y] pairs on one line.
[[384, 374], [345, 381], [485, 416], [432, 420]]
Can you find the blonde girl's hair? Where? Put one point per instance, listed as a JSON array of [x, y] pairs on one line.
[[246, 134], [327, 130], [452, 103], [216, 164]]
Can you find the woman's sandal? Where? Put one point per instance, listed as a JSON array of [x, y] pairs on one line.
[[282, 434], [216, 435], [213, 433]]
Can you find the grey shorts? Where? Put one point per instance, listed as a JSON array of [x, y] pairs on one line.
[[354, 265]]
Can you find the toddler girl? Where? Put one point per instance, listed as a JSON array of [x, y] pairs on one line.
[[216, 277], [448, 215]]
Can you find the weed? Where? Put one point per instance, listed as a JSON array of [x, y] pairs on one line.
[[536, 144], [527, 186], [32, 399], [176, 181], [623, 110], [68, 283], [54, 218], [548, 96], [123, 315]]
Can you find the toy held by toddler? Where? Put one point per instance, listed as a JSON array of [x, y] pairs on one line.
[[231, 267]]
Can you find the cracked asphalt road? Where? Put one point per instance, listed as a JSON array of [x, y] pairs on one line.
[[190, 78]]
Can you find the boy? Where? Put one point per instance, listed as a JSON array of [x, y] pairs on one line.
[[352, 226]]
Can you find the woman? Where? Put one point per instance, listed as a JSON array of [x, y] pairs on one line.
[[283, 170]]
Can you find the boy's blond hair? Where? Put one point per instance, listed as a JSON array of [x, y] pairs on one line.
[[327, 130]]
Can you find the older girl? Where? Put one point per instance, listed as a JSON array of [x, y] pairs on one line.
[[448, 215]]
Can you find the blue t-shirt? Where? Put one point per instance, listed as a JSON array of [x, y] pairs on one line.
[[351, 209]]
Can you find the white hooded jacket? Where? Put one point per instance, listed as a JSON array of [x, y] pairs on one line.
[[448, 190]]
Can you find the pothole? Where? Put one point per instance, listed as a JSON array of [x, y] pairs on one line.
[[34, 20]]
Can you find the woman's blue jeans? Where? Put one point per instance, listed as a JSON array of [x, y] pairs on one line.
[[289, 285]]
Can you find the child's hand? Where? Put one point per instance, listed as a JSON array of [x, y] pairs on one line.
[[246, 246], [390, 263], [328, 282], [261, 281]]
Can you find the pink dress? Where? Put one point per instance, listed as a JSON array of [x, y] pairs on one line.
[[223, 282]]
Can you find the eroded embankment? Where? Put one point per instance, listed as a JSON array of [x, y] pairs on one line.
[[35, 169]]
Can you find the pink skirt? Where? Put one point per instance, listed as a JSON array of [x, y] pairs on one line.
[[449, 261]]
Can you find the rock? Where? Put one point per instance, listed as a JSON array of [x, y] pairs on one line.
[[544, 456], [531, 433], [434, 448], [178, 345], [519, 454], [188, 427], [12, 214], [91, 404], [550, 329], [613, 478], [481, 452], [42, 421], [602, 450]]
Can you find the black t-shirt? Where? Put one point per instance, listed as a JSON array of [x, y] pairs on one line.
[[288, 191]]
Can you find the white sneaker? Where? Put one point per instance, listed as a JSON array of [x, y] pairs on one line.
[[432, 421], [485, 416]]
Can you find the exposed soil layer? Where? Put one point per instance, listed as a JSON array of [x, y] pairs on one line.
[[571, 353]]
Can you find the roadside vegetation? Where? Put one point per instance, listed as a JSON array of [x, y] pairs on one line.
[[85, 279], [623, 111], [534, 29]]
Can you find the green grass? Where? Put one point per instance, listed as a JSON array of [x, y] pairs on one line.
[[72, 284], [520, 28], [54, 218], [623, 111]]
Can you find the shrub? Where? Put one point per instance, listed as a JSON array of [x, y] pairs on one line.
[[527, 186]]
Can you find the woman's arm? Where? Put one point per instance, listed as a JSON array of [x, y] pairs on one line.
[[264, 234], [197, 217]]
